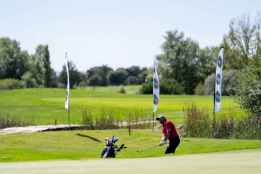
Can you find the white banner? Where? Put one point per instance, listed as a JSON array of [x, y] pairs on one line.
[[218, 82], [67, 101], [156, 88]]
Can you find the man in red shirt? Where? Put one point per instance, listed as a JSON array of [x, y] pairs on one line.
[[169, 133]]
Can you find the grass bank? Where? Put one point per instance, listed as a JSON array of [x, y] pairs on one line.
[[69, 145]]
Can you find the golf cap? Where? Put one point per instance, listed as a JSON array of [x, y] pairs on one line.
[[161, 118]]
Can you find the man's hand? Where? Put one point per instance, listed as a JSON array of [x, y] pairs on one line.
[[163, 141]]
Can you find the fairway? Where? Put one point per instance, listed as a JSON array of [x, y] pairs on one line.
[[215, 163], [46, 106]]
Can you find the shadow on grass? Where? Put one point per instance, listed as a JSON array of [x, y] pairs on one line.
[[90, 137]]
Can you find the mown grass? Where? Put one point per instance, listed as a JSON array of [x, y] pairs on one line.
[[68, 145], [46, 106]]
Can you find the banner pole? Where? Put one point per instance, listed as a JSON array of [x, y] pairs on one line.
[[69, 119], [153, 118], [214, 109]]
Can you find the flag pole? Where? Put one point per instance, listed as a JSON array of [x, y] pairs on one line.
[[214, 110], [67, 102], [156, 93], [68, 117], [218, 87], [153, 118]]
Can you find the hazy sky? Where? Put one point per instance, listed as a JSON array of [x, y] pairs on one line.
[[115, 32]]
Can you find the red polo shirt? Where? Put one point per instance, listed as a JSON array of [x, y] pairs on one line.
[[169, 130]]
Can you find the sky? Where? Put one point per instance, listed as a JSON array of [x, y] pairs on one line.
[[118, 33]]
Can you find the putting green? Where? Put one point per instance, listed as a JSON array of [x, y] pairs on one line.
[[214, 163]]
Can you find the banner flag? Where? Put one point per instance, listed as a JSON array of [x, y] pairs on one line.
[[156, 88], [67, 101], [218, 82]]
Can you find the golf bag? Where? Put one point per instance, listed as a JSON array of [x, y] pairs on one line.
[[111, 149]]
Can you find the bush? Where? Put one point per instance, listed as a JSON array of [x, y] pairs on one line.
[[132, 80], [250, 90], [122, 90], [199, 90], [118, 77], [146, 88], [11, 84], [250, 98], [104, 120], [230, 83], [199, 124], [87, 118], [166, 87], [29, 80], [249, 128], [223, 128], [109, 119], [95, 80], [7, 121]]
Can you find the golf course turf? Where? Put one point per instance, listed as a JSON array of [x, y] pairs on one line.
[[46, 106], [84, 145]]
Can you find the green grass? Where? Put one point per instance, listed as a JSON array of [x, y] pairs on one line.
[[68, 145], [44, 106]]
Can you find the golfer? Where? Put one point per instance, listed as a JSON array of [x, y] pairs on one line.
[[169, 133]]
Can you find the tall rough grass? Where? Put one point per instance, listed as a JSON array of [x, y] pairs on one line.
[[200, 123], [108, 119], [7, 121], [197, 122]]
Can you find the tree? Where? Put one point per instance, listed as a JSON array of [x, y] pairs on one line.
[[182, 61], [133, 71], [42, 57], [118, 77], [98, 74], [136, 75], [53, 79], [75, 75], [13, 61], [242, 43], [96, 80]]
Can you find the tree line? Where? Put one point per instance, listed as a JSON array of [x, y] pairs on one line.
[[186, 68], [21, 69]]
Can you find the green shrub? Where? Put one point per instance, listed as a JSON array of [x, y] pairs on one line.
[[199, 90], [122, 90], [146, 88], [223, 128], [109, 119], [197, 122], [7, 121], [106, 120], [166, 87], [87, 118], [11, 84], [250, 90], [29, 80], [230, 83], [249, 128]]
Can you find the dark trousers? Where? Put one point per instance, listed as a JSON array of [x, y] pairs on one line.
[[173, 145]]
